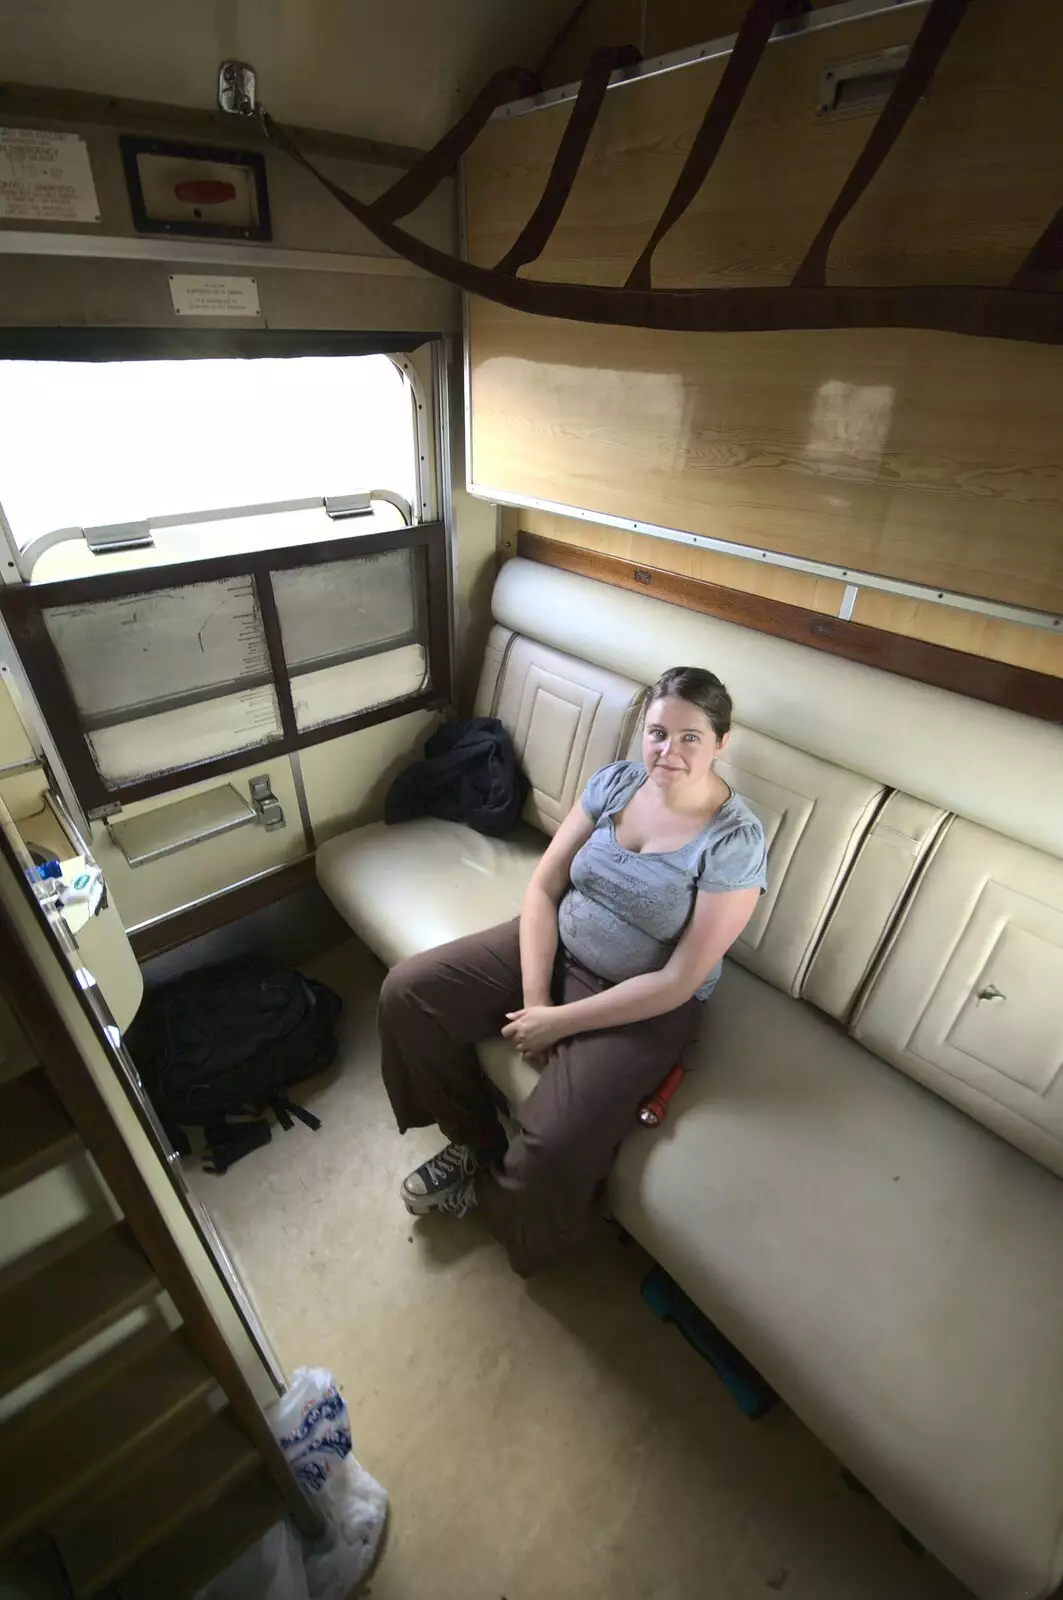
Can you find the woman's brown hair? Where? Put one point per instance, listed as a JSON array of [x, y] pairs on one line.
[[699, 688]]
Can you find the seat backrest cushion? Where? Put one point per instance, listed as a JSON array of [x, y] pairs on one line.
[[908, 736], [968, 994], [566, 718], [889, 862], [815, 816]]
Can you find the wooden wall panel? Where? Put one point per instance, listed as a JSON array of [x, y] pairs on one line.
[[1034, 694], [734, 572], [1038, 649], [923, 456], [973, 179]]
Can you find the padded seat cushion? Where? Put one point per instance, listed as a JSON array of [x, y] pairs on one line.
[[890, 1266], [407, 888]]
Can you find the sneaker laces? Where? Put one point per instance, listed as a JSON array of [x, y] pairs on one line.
[[461, 1200], [455, 1161]]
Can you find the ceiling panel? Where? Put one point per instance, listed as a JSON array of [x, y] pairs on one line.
[[399, 72]]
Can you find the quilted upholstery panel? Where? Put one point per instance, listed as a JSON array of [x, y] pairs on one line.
[[815, 816], [968, 997], [566, 718]]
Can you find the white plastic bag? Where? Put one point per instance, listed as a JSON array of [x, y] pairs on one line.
[[312, 1426]]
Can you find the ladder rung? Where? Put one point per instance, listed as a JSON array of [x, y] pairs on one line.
[[82, 1430], [179, 1566], [102, 1537], [35, 1133], [76, 1296]]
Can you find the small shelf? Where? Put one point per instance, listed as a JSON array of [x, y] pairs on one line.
[[174, 827]]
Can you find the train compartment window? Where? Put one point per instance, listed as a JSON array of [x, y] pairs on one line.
[[112, 465]]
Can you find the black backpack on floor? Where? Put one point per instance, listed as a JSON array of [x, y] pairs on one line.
[[227, 1042]]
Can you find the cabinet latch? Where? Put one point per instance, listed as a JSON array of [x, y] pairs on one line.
[[266, 804]]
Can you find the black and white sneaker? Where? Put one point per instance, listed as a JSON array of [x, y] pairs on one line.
[[437, 1180], [460, 1201]]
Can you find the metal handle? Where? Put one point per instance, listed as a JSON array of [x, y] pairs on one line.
[[266, 804]]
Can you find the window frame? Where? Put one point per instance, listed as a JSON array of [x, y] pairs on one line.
[[23, 605]]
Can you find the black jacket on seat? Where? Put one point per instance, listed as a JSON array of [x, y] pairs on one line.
[[470, 774]]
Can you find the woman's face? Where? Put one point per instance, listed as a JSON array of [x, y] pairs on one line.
[[678, 744]]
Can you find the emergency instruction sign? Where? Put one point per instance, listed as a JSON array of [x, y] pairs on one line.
[[202, 295], [46, 177]]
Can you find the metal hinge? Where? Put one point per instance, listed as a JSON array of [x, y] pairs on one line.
[[265, 802], [118, 536], [338, 506]]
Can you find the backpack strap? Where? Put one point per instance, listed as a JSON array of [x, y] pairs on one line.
[[228, 1142], [284, 1110]]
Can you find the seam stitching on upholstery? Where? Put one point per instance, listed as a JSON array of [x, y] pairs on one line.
[[919, 849], [497, 693], [892, 934], [598, 698], [556, 800], [859, 831]]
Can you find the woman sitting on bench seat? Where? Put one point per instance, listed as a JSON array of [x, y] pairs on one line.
[[648, 881]]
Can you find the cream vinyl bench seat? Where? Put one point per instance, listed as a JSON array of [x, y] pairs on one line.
[[859, 1181]]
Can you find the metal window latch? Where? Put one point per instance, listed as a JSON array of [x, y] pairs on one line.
[[266, 804], [236, 88]]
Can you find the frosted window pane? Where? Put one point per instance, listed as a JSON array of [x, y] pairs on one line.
[[342, 607], [334, 692], [173, 740], [120, 655]]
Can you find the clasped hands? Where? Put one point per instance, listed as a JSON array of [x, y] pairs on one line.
[[535, 1029]]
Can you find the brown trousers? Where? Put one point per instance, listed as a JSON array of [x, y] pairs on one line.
[[437, 1006]]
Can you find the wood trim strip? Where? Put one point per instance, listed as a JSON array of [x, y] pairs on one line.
[[1035, 694], [60, 1055], [221, 909]]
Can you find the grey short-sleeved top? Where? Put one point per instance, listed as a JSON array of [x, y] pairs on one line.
[[624, 912]]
